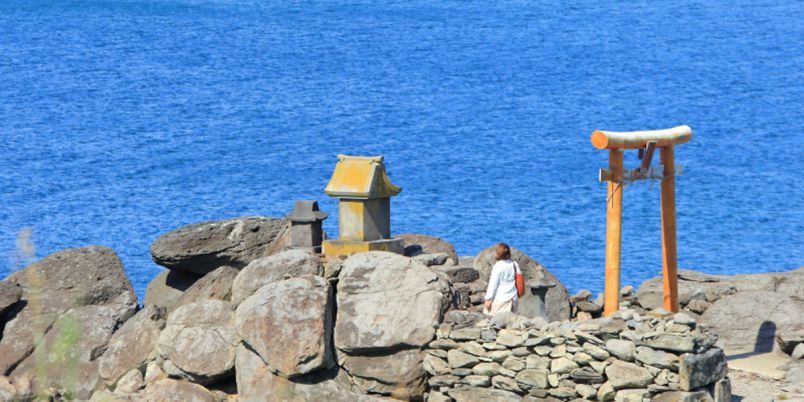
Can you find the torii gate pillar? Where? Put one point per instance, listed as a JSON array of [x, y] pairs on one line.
[[646, 142]]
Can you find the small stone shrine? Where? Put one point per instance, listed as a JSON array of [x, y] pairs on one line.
[[364, 191]]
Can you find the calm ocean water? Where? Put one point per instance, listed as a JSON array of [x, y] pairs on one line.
[[122, 120]]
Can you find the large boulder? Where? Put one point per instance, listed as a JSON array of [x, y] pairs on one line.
[[289, 323], [214, 285], [199, 341], [283, 265], [256, 383], [167, 288], [387, 301], [201, 247], [90, 276], [556, 300], [169, 390], [748, 321], [417, 244], [133, 345], [400, 375], [66, 358]]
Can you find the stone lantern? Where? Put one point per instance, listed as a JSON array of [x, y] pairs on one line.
[[364, 193], [305, 225]]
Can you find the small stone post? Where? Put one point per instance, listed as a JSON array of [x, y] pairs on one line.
[[305, 225]]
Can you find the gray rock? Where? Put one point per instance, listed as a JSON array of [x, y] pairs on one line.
[[606, 392], [586, 391], [622, 349], [63, 280], [377, 308], [682, 396], [130, 383], [430, 260], [132, 345], [798, 352], [632, 395], [438, 397], [588, 307], [749, 320], [627, 375], [460, 274], [656, 358], [487, 369], [201, 247], [446, 380], [465, 334], [283, 265], [15, 389], [10, 294], [168, 390], [399, 375], [297, 314], [698, 306], [533, 378], [722, 391], [788, 340], [556, 303], [511, 338], [65, 359], [698, 370], [596, 351], [563, 393], [214, 285], [417, 244], [435, 366], [200, 340], [671, 342], [586, 375], [477, 380], [167, 288], [562, 365], [458, 359], [473, 394], [256, 383], [505, 383], [513, 363]]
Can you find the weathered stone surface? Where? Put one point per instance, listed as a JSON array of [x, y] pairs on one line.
[[416, 244], [10, 294], [256, 383], [789, 340], [70, 348], [131, 346], [63, 280], [460, 274], [400, 374], [562, 365], [606, 392], [698, 370], [473, 394], [557, 305], [798, 352], [627, 375], [477, 380], [214, 285], [431, 260], [585, 391], [682, 396], [487, 369], [671, 342], [168, 390], [505, 383], [167, 288], [632, 395], [200, 340], [130, 382], [722, 391], [289, 324], [435, 366], [15, 389], [622, 349], [283, 265], [386, 301], [656, 358], [749, 320], [458, 359], [201, 247], [532, 378]]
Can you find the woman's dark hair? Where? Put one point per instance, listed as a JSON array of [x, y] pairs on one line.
[[503, 251]]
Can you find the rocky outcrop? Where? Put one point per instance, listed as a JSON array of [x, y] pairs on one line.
[[200, 248], [556, 299], [168, 287], [199, 341], [283, 265], [387, 302], [10, 294], [417, 244], [133, 345], [289, 324], [529, 359], [91, 277]]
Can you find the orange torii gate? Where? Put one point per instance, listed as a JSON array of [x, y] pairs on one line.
[[646, 142]]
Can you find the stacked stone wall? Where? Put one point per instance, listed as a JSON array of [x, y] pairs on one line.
[[626, 357]]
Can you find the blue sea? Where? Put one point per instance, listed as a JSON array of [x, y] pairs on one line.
[[123, 120]]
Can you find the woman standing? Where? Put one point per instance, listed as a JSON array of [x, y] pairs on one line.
[[501, 294]]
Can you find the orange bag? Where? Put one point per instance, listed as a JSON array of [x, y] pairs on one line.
[[520, 281]]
